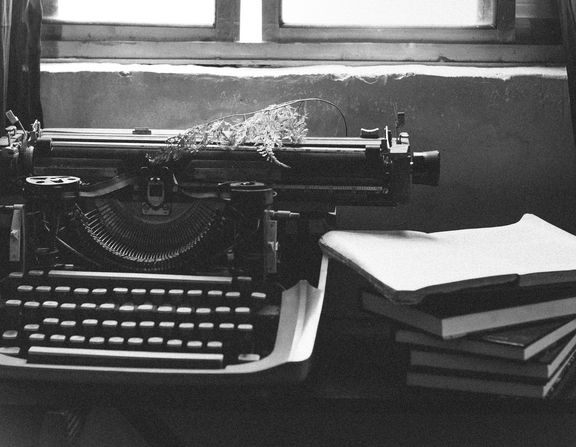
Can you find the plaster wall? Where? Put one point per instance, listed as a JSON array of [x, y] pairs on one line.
[[504, 134]]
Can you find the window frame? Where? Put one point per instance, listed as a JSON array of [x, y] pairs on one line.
[[225, 28], [218, 46], [501, 31]]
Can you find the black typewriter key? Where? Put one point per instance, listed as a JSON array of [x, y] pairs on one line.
[[11, 314], [109, 328], [68, 311], [137, 296], [135, 343], [223, 314], [89, 327], [245, 333], [215, 298], [30, 329], [184, 314], [77, 341], [157, 296], [57, 340], [144, 312], [174, 345], [243, 283], [50, 325], [146, 328], [214, 346], [232, 299], [175, 296], [203, 314], [242, 314], [99, 295], [165, 313], [10, 337], [106, 310], [127, 312], [80, 295], [87, 311], [25, 293], [186, 331], [194, 346], [62, 293], [97, 342], [155, 343], [68, 327], [31, 312], [50, 309], [27, 331], [35, 275], [258, 299], [116, 343], [128, 329], [120, 295], [205, 331], [226, 332], [37, 339], [194, 297], [43, 293], [166, 328]]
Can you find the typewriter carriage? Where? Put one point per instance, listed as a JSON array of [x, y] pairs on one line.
[[93, 199]]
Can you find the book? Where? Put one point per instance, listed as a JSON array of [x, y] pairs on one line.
[[407, 266], [490, 384], [518, 343], [540, 367], [459, 314]]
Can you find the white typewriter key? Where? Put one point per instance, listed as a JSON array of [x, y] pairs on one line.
[[157, 296], [175, 296], [116, 342], [96, 342], [166, 328], [248, 358], [9, 338], [194, 346], [155, 343]]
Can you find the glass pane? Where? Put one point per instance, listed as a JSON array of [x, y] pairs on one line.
[[146, 12], [388, 13]]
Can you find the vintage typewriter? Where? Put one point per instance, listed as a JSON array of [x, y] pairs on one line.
[[120, 270]]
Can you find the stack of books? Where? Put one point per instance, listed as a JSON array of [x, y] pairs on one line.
[[489, 310]]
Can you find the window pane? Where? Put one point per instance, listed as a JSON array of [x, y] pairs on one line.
[[388, 13], [145, 12]]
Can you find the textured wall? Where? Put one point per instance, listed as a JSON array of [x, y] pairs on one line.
[[504, 133]]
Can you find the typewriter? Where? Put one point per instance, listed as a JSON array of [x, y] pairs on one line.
[[118, 270]]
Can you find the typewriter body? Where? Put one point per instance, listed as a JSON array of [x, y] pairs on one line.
[[119, 270]]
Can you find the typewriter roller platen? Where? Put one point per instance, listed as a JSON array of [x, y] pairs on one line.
[[173, 274]]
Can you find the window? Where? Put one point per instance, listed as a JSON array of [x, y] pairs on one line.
[[292, 32], [390, 20], [169, 20]]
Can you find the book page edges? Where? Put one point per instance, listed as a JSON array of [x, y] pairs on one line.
[[413, 297]]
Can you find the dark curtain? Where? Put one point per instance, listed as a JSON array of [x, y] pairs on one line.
[[21, 32], [568, 18]]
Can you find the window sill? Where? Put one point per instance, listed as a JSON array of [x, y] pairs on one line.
[[293, 54]]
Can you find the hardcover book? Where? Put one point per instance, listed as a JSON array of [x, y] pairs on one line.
[[490, 383], [407, 266], [541, 367], [459, 314], [521, 342]]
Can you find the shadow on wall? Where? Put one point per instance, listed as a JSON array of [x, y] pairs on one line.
[[504, 134]]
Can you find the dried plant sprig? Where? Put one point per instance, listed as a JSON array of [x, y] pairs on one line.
[[266, 130]]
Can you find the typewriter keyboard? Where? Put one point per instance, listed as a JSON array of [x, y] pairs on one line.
[[194, 328]]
